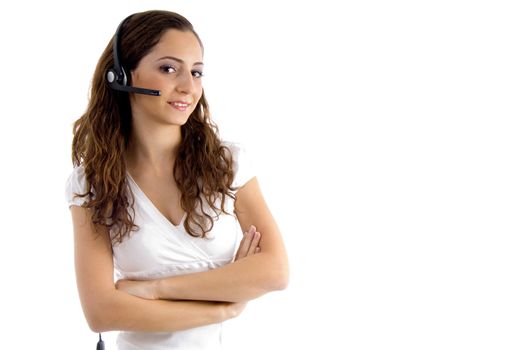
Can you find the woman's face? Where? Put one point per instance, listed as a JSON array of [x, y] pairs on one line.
[[174, 67]]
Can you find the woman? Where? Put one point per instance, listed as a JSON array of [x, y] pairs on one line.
[[158, 198]]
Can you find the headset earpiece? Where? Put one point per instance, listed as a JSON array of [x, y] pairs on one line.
[[111, 76], [116, 76]]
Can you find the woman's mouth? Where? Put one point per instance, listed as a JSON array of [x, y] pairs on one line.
[[180, 106]]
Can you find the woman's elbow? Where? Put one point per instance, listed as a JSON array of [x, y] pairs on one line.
[[97, 327], [283, 281], [100, 316], [96, 321], [280, 277]]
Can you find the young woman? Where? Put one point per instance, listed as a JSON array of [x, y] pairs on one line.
[[158, 199]]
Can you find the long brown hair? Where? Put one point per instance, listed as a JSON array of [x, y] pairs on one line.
[[203, 167]]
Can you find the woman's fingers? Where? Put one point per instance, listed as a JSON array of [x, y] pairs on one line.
[[254, 244], [246, 243]]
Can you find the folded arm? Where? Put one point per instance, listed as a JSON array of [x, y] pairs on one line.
[[108, 309], [245, 279]]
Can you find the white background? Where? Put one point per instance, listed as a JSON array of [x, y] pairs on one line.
[[389, 140]]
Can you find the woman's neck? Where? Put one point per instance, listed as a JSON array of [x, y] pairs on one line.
[[153, 151]]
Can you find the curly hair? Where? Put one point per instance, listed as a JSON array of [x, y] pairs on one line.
[[203, 167]]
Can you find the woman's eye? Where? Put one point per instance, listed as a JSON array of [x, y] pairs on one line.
[[170, 69], [167, 69]]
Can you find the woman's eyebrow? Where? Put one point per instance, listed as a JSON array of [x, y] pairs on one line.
[[177, 59]]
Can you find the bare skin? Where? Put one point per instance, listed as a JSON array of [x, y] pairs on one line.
[[148, 289], [193, 300]]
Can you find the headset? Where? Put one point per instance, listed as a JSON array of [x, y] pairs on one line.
[[100, 344], [116, 76]]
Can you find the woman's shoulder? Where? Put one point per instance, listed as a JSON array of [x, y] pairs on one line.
[[237, 148], [232, 144], [76, 173], [75, 184], [242, 162]]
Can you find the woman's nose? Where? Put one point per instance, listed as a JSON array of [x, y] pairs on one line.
[[185, 83]]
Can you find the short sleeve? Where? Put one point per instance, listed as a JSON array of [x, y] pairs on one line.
[[75, 184], [243, 164]]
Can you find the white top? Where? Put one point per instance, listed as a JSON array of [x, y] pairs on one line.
[[160, 249]]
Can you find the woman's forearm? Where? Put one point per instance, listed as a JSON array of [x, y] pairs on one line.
[[240, 281], [252, 274], [121, 311]]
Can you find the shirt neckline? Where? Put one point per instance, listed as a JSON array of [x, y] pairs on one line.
[[153, 208]]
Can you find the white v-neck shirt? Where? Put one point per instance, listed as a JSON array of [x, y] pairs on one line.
[[161, 249]]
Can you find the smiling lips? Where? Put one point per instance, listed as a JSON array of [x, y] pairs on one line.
[[179, 105]]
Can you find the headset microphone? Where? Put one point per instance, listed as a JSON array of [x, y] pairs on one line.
[[116, 76]]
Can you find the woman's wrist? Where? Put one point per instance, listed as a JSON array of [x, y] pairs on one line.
[[226, 311], [157, 288]]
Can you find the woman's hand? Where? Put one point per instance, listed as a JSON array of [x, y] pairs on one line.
[[141, 289], [249, 244], [234, 309]]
